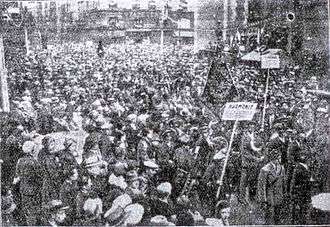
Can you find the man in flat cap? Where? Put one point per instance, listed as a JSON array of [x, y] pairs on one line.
[[301, 190], [271, 186], [211, 180], [28, 175], [56, 213], [252, 157]]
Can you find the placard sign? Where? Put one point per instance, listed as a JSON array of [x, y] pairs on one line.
[[239, 111], [270, 61]]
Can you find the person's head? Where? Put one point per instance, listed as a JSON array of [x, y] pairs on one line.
[[164, 190], [29, 147], [169, 135], [150, 168], [107, 129], [57, 211], [224, 210], [71, 174], [96, 169], [302, 156], [49, 144], [291, 133], [132, 179], [274, 147], [59, 216], [251, 127], [71, 145], [219, 143], [85, 183], [92, 208]]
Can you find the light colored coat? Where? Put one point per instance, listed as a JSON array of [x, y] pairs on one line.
[[271, 185]]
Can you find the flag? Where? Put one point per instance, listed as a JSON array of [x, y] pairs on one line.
[[183, 4], [219, 86]]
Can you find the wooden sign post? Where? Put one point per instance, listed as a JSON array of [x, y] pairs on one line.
[[268, 61], [235, 111]]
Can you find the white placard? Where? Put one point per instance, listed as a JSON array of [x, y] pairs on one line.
[[270, 61], [240, 111]]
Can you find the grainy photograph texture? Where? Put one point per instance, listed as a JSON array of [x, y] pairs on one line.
[[164, 112]]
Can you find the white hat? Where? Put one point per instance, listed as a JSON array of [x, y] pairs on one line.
[[134, 214], [121, 201], [220, 155], [93, 206], [93, 160], [117, 181], [160, 220], [151, 164], [28, 147], [165, 188], [213, 222], [96, 103], [106, 125]]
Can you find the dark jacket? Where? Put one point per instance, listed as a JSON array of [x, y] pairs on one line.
[[300, 186], [107, 148], [52, 177], [158, 207], [67, 160], [10, 154], [29, 171]]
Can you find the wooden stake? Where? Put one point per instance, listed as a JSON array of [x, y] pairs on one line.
[[227, 158]]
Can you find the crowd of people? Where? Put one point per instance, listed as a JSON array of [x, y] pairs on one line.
[[155, 149]]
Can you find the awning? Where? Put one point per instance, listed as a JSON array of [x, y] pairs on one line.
[[252, 56], [256, 55]]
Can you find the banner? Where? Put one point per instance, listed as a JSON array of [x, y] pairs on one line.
[[239, 111], [219, 87]]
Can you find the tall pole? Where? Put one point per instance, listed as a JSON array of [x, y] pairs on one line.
[[27, 46], [265, 102], [227, 158], [289, 46], [225, 21], [58, 19], [195, 29], [3, 79], [164, 17]]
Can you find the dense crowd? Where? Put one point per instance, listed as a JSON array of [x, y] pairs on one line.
[[155, 148]]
